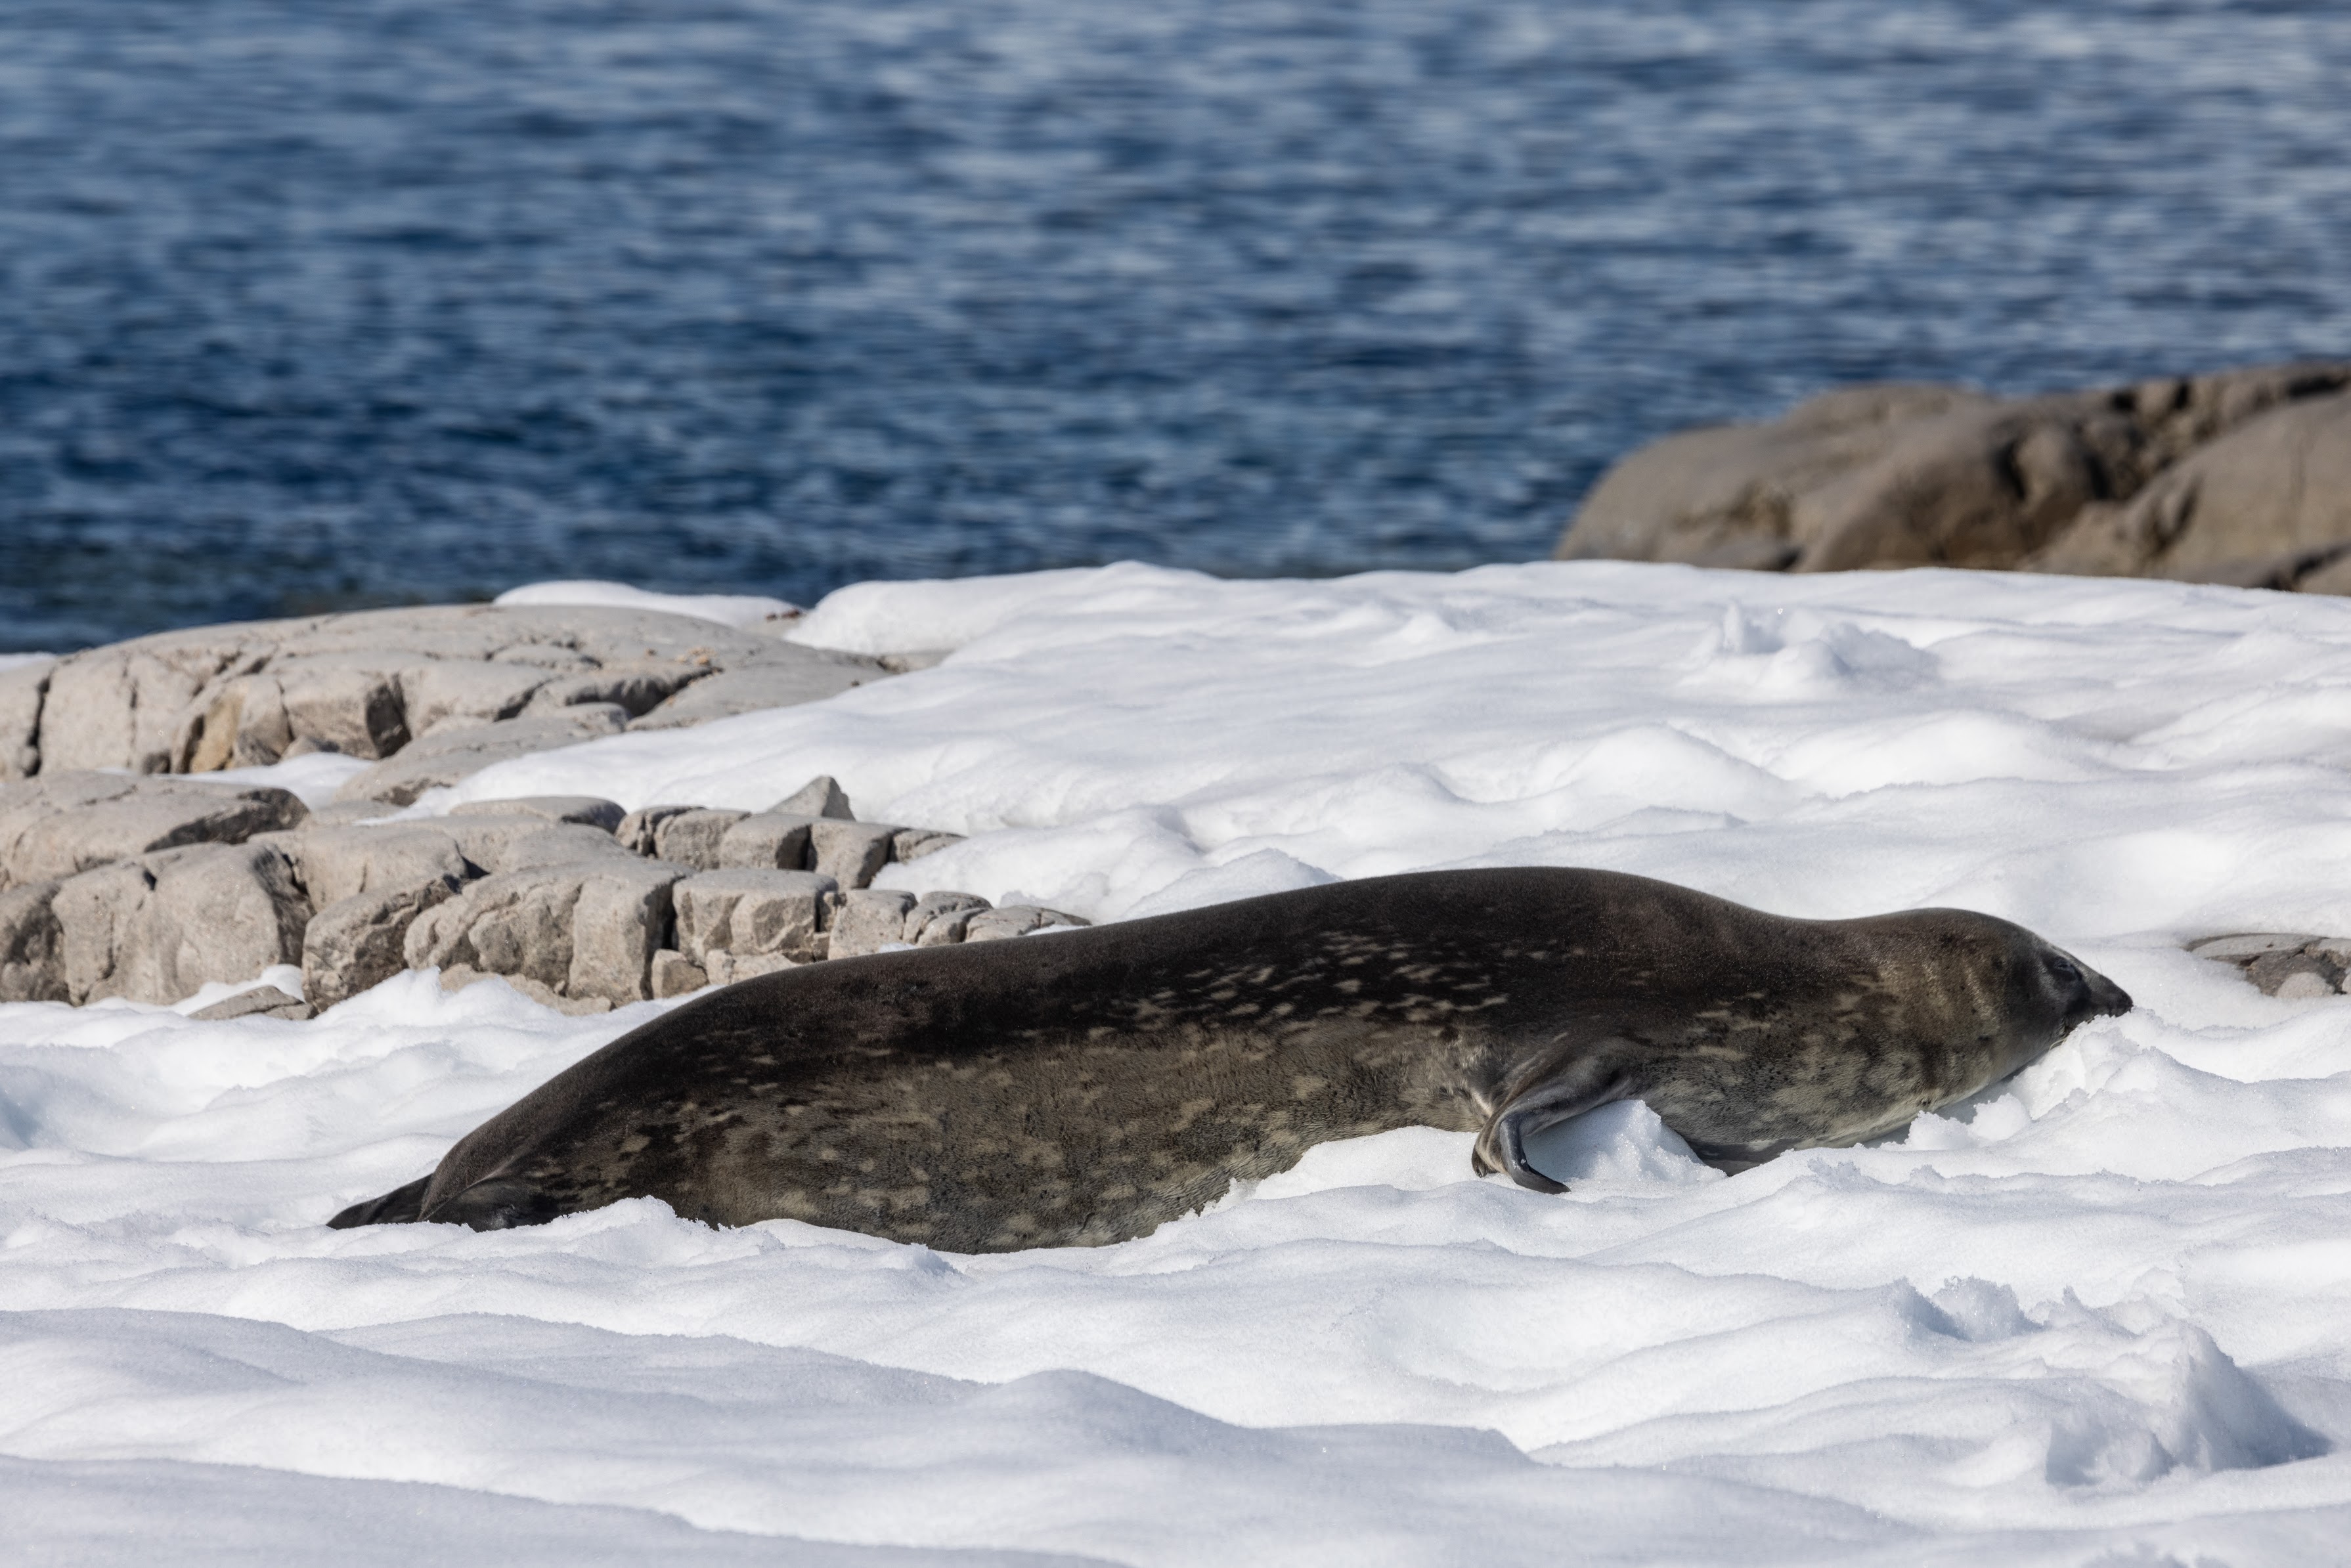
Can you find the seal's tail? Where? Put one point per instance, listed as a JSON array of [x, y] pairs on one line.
[[401, 1205]]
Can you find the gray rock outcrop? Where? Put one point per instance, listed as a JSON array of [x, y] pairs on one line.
[[2295, 966], [372, 682], [159, 927], [61, 823], [581, 929], [2232, 476], [749, 913]]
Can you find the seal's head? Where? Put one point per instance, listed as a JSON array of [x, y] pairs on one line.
[[2051, 993]]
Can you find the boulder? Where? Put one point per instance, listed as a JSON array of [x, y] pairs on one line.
[[262, 1001], [749, 911], [358, 942], [2267, 505], [1913, 476], [32, 950], [819, 797], [517, 843], [766, 840], [639, 832], [675, 975], [60, 823], [588, 810], [939, 918], [447, 755], [581, 929], [22, 689], [156, 928], [692, 838], [869, 919], [913, 843], [1015, 920], [337, 864], [850, 853]]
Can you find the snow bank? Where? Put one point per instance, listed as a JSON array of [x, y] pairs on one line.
[[2094, 1316], [748, 612]]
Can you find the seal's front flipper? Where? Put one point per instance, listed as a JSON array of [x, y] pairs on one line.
[[1545, 1100], [495, 1203], [401, 1205]]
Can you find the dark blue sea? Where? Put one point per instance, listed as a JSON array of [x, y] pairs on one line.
[[317, 304]]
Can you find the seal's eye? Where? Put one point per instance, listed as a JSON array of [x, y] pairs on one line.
[[2064, 970]]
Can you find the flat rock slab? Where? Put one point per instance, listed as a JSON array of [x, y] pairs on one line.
[[2295, 965], [60, 824], [372, 683], [262, 1001]]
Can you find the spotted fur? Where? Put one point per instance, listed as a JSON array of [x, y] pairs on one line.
[[1086, 1086]]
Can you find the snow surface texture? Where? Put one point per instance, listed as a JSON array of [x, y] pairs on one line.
[[2096, 1317], [747, 612]]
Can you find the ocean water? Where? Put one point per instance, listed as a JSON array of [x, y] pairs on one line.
[[308, 307]]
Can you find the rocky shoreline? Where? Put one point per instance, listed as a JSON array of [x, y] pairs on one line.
[[129, 868], [2241, 477]]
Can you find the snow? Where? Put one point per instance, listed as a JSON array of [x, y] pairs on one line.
[[747, 612], [2094, 1316]]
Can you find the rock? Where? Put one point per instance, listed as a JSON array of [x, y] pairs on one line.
[[2248, 945], [692, 838], [22, 688], [869, 919], [914, 843], [749, 911], [2267, 505], [61, 823], [849, 852], [939, 918], [1909, 475], [366, 683], [2302, 985], [500, 844], [1015, 920], [262, 1001], [639, 831], [447, 755], [339, 863], [624, 918], [157, 929], [766, 840], [790, 675], [32, 956], [590, 811], [819, 797], [675, 975], [586, 928], [358, 942], [2273, 972], [726, 967]]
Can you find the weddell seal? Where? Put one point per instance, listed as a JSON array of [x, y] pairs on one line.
[[1087, 1086]]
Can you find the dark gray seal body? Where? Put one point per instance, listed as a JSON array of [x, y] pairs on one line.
[[1085, 1087]]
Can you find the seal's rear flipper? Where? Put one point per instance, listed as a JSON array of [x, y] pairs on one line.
[[497, 1203], [1545, 1101], [401, 1205]]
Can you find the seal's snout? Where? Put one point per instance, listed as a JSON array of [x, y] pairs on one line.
[[2106, 999], [2092, 996]]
